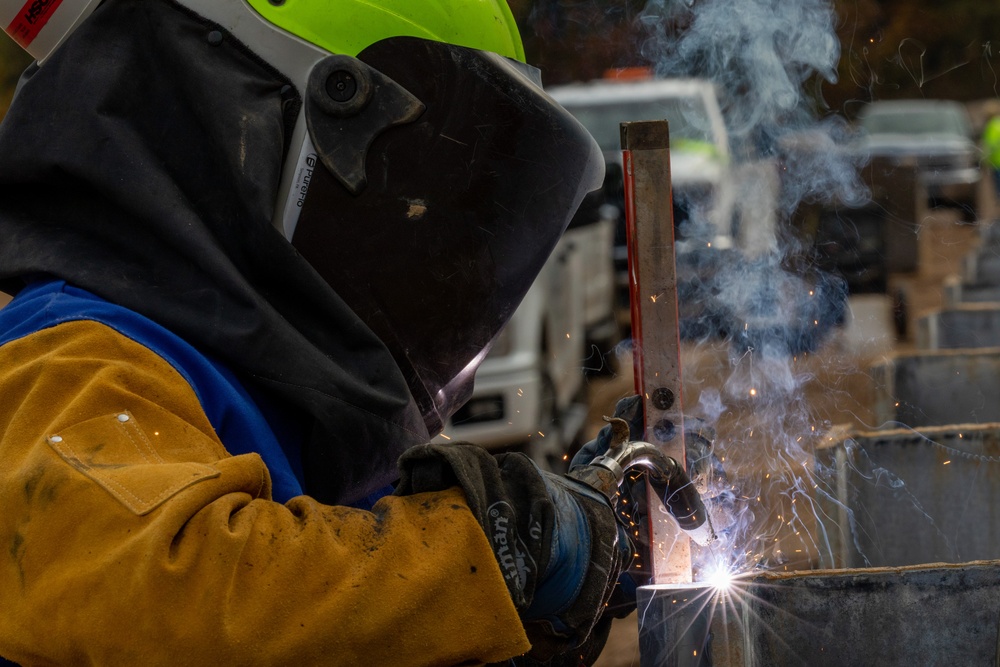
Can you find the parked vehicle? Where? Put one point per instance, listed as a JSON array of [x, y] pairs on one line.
[[530, 392], [699, 143], [699, 156], [938, 136], [592, 234]]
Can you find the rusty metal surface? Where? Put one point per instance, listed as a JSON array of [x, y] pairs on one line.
[[905, 497], [922, 616], [965, 325], [655, 330], [938, 387]]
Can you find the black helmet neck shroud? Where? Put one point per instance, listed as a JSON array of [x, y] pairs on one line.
[[142, 163]]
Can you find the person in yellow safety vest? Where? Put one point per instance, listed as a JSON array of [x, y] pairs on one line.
[[991, 150], [258, 249]]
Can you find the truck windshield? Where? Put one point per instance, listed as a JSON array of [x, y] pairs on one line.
[[689, 121], [915, 121]]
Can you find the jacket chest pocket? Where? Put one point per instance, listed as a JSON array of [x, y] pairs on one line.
[[115, 452]]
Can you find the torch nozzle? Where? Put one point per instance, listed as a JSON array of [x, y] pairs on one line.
[[666, 477]]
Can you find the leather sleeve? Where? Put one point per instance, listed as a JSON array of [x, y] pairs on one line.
[[129, 536]]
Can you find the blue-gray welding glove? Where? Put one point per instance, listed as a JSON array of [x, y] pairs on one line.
[[621, 603], [629, 409], [703, 468], [556, 540]]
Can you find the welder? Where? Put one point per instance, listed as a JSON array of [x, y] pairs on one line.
[[259, 248]]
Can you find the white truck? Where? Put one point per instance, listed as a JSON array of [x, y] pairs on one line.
[[701, 175]]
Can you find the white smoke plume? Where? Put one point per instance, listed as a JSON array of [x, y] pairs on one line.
[[768, 59]]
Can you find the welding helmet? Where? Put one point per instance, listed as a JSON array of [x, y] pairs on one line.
[[428, 176]]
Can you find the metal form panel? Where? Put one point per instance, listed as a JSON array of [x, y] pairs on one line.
[[890, 617], [938, 387], [957, 292], [965, 325], [906, 497]]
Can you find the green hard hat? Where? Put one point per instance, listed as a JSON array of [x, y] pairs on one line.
[[349, 26]]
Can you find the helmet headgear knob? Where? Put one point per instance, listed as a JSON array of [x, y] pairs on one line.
[[340, 86], [348, 104]]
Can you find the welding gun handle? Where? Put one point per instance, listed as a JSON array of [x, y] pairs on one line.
[[668, 479], [599, 478]]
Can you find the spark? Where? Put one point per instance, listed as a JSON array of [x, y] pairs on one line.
[[946, 463], [721, 579], [445, 436]]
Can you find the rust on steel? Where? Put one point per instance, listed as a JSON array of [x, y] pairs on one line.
[[655, 330]]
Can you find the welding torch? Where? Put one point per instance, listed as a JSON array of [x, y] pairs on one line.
[[668, 479]]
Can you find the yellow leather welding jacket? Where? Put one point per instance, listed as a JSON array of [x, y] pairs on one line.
[[131, 537]]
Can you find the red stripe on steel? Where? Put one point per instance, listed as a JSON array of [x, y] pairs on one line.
[[633, 269]]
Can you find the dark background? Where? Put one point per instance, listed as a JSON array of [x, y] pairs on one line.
[[889, 48]]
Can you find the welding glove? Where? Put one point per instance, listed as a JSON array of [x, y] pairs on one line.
[[623, 598], [703, 468], [556, 540]]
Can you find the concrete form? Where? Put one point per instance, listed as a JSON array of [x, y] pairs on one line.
[[926, 615], [938, 387], [906, 497], [956, 291], [965, 325]]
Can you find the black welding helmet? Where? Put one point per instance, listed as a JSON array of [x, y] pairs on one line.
[[428, 176], [434, 232]]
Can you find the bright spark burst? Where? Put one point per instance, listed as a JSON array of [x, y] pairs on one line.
[[719, 577]]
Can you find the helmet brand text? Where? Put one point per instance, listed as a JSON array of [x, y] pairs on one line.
[[30, 20], [304, 178]]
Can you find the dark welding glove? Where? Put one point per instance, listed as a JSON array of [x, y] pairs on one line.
[[621, 603], [703, 468], [557, 541], [629, 409]]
